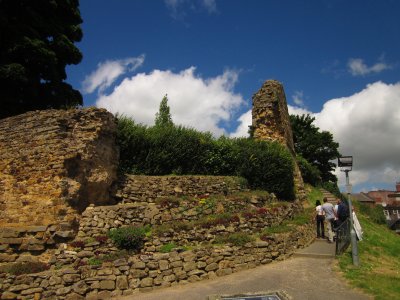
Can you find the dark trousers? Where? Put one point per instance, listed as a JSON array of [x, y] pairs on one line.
[[320, 226]]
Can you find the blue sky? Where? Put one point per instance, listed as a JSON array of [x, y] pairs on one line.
[[338, 60]]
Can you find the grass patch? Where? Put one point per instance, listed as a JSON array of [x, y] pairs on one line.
[[302, 218], [282, 228], [167, 248], [288, 225], [313, 195], [379, 254], [236, 239]]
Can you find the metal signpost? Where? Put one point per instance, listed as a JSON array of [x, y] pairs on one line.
[[346, 164]]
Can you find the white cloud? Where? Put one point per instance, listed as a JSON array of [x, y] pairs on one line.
[[202, 103], [243, 129], [107, 72], [298, 98], [357, 67], [367, 126], [298, 111]]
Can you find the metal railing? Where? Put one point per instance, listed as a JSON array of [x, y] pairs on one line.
[[343, 237]]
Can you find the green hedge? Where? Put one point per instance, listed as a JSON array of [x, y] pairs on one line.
[[179, 150]]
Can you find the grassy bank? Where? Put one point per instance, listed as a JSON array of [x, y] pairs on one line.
[[379, 255]]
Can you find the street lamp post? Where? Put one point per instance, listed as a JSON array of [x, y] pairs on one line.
[[346, 164]]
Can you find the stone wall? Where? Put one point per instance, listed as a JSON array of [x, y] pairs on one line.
[[74, 275], [271, 122], [144, 272], [57, 170], [136, 188], [244, 216], [53, 164], [145, 202]]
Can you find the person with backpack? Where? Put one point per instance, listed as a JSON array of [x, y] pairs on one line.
[[342, 212]]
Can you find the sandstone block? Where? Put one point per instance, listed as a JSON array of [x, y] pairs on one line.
[[9, 233], [138, 265], [163, 265], [194, 278], [107, 285], [7, 257], [138, 273], [64, 234], [169, 278], [85, 253], [189, 266], [8, 296], [31, 291], [122, 282], [63, 290], [212, 267], [146, 282], [71, 278], [223, 272], [19, 287], [80, 287], [11, 241]]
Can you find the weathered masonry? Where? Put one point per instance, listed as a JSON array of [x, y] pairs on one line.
[[270, 122]]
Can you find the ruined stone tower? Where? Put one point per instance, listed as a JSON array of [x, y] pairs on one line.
[[270, 122]]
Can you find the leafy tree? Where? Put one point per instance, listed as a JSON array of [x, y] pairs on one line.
[[36, 43], [317, 147], [163, 117]]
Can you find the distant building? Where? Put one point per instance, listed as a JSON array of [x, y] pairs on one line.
[[385, 197], [390, 202], [364, 198]]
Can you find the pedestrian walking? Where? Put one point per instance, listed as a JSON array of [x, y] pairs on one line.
[[329, 218], [320, 218]]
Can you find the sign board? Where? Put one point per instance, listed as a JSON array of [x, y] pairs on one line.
[[345, 161]]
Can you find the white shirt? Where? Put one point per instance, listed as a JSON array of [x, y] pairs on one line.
[[319, 210]]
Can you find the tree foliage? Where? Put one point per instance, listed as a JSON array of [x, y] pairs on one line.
[[163, 117], [36, 43], [315, 146]]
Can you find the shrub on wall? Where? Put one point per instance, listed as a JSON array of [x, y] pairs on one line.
[[130, 238], [178, 150]]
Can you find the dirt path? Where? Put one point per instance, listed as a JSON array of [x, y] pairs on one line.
[[299, 277]]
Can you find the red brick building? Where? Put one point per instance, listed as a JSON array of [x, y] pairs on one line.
[[384, 197]]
